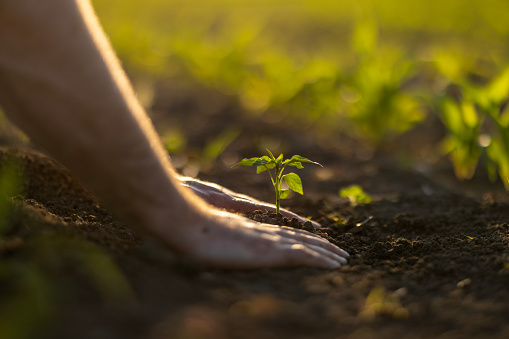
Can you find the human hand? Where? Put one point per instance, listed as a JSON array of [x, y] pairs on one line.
[[224, 240], [224, 198]]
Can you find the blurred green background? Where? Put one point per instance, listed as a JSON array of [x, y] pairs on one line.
[[372, 71], [369, 69]]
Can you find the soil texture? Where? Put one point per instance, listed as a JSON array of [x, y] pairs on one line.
[[428, 260]]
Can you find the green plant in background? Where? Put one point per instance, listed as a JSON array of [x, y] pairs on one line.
[[478, 124], [248, 57], [374, 99], [216, 146], [267, 163], [347, 66], [462, 140], [491, 102], [355, 194]]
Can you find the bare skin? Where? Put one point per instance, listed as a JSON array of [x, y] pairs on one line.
[[61, 83], [224, 198]]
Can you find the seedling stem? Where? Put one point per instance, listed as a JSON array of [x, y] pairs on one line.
[[268, 163]]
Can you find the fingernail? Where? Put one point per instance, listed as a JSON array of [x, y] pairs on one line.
[[335, 264]]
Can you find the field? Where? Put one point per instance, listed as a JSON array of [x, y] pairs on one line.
[[406, 100]]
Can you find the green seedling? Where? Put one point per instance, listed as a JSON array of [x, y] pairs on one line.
[[355, 194], [478, 127], [268, 163]]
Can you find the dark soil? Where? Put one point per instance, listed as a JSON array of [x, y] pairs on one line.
[[427, 260]]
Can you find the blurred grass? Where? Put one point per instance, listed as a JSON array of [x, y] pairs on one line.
[[346, 62], [150, 35], [372, 70]]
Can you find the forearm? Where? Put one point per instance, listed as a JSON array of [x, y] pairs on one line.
[[60, 82]]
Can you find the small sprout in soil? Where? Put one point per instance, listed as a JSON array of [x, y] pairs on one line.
[[338, 221], [267, 163], [355, 194]]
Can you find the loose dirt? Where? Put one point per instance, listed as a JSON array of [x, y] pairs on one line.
[[427, 260]]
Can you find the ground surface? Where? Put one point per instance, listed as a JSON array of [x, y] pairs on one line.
[[427, 261]]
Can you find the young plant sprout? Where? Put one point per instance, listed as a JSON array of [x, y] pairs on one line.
[[267, 163], [355, 194]]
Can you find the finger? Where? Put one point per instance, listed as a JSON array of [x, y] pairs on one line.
[[327, 253], [314, 240], [293, 235]]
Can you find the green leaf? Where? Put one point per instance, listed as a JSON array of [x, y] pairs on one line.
[[294, 183], [470, 118], [296, 164], [263, 168], [271, 155], [246, 162], [217, 145], [252, 162], [279, 159], [284, 194], [498, 89], [260, 162], [355, 194], [293, 161]]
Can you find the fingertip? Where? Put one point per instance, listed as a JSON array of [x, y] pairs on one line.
[[338, 251], [332, 264]]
